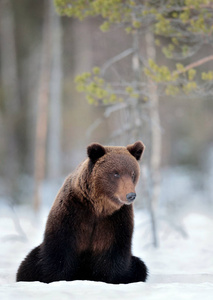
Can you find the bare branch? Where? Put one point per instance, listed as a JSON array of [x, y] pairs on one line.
[[195, 64], [94, 125], [21, 236], [116, 59]]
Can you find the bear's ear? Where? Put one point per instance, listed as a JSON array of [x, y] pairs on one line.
[[95, 151], [136, 149]]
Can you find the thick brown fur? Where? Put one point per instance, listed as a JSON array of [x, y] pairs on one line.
[[89, 228]]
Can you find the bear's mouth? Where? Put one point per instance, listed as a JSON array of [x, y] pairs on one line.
[[119, 201]]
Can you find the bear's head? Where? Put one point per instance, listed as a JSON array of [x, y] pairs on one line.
[[113, 175]]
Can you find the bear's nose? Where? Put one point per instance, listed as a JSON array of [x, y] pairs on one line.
[[130, 197]]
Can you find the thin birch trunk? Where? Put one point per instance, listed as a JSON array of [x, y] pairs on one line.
[[42, 110], [136, 67], [155, 158], [54, 141]]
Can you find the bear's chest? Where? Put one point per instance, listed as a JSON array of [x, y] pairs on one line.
[[95, 235]]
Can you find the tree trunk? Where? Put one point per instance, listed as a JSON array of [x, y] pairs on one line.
[[10, 92], [54, 141], [155, 157], [137, 68], [42, 109]]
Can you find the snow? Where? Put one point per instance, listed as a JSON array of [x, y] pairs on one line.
[[91, 290], [181, 268]]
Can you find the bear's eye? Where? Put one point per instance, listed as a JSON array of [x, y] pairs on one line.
[[133, 176], [116, 175]]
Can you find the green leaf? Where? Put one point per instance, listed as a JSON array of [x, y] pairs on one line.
[[96, 70], [191, 74]]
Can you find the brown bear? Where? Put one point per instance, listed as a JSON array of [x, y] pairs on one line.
[[89, 228]]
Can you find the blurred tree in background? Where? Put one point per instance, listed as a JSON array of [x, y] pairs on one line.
[[49, 96], [181, 28]]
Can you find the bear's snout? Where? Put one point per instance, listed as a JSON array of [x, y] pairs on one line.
[[125, 192], [130, 197]]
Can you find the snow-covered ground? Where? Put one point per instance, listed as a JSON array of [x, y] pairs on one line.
[[182, 268]]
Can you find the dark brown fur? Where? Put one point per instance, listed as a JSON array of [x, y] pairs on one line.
[[89, 228]]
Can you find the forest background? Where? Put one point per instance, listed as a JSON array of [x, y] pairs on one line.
[[46, 124]]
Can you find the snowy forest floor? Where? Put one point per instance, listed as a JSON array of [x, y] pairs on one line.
[[181, 268]]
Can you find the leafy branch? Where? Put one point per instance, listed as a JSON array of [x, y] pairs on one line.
[[186, 25]]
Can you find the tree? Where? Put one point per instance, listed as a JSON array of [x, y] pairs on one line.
[[185, 26], [49, 104], [180, 29], [42, 109], [54, 149], [10, 93]]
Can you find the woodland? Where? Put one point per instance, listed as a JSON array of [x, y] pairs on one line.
[[75, 72]]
